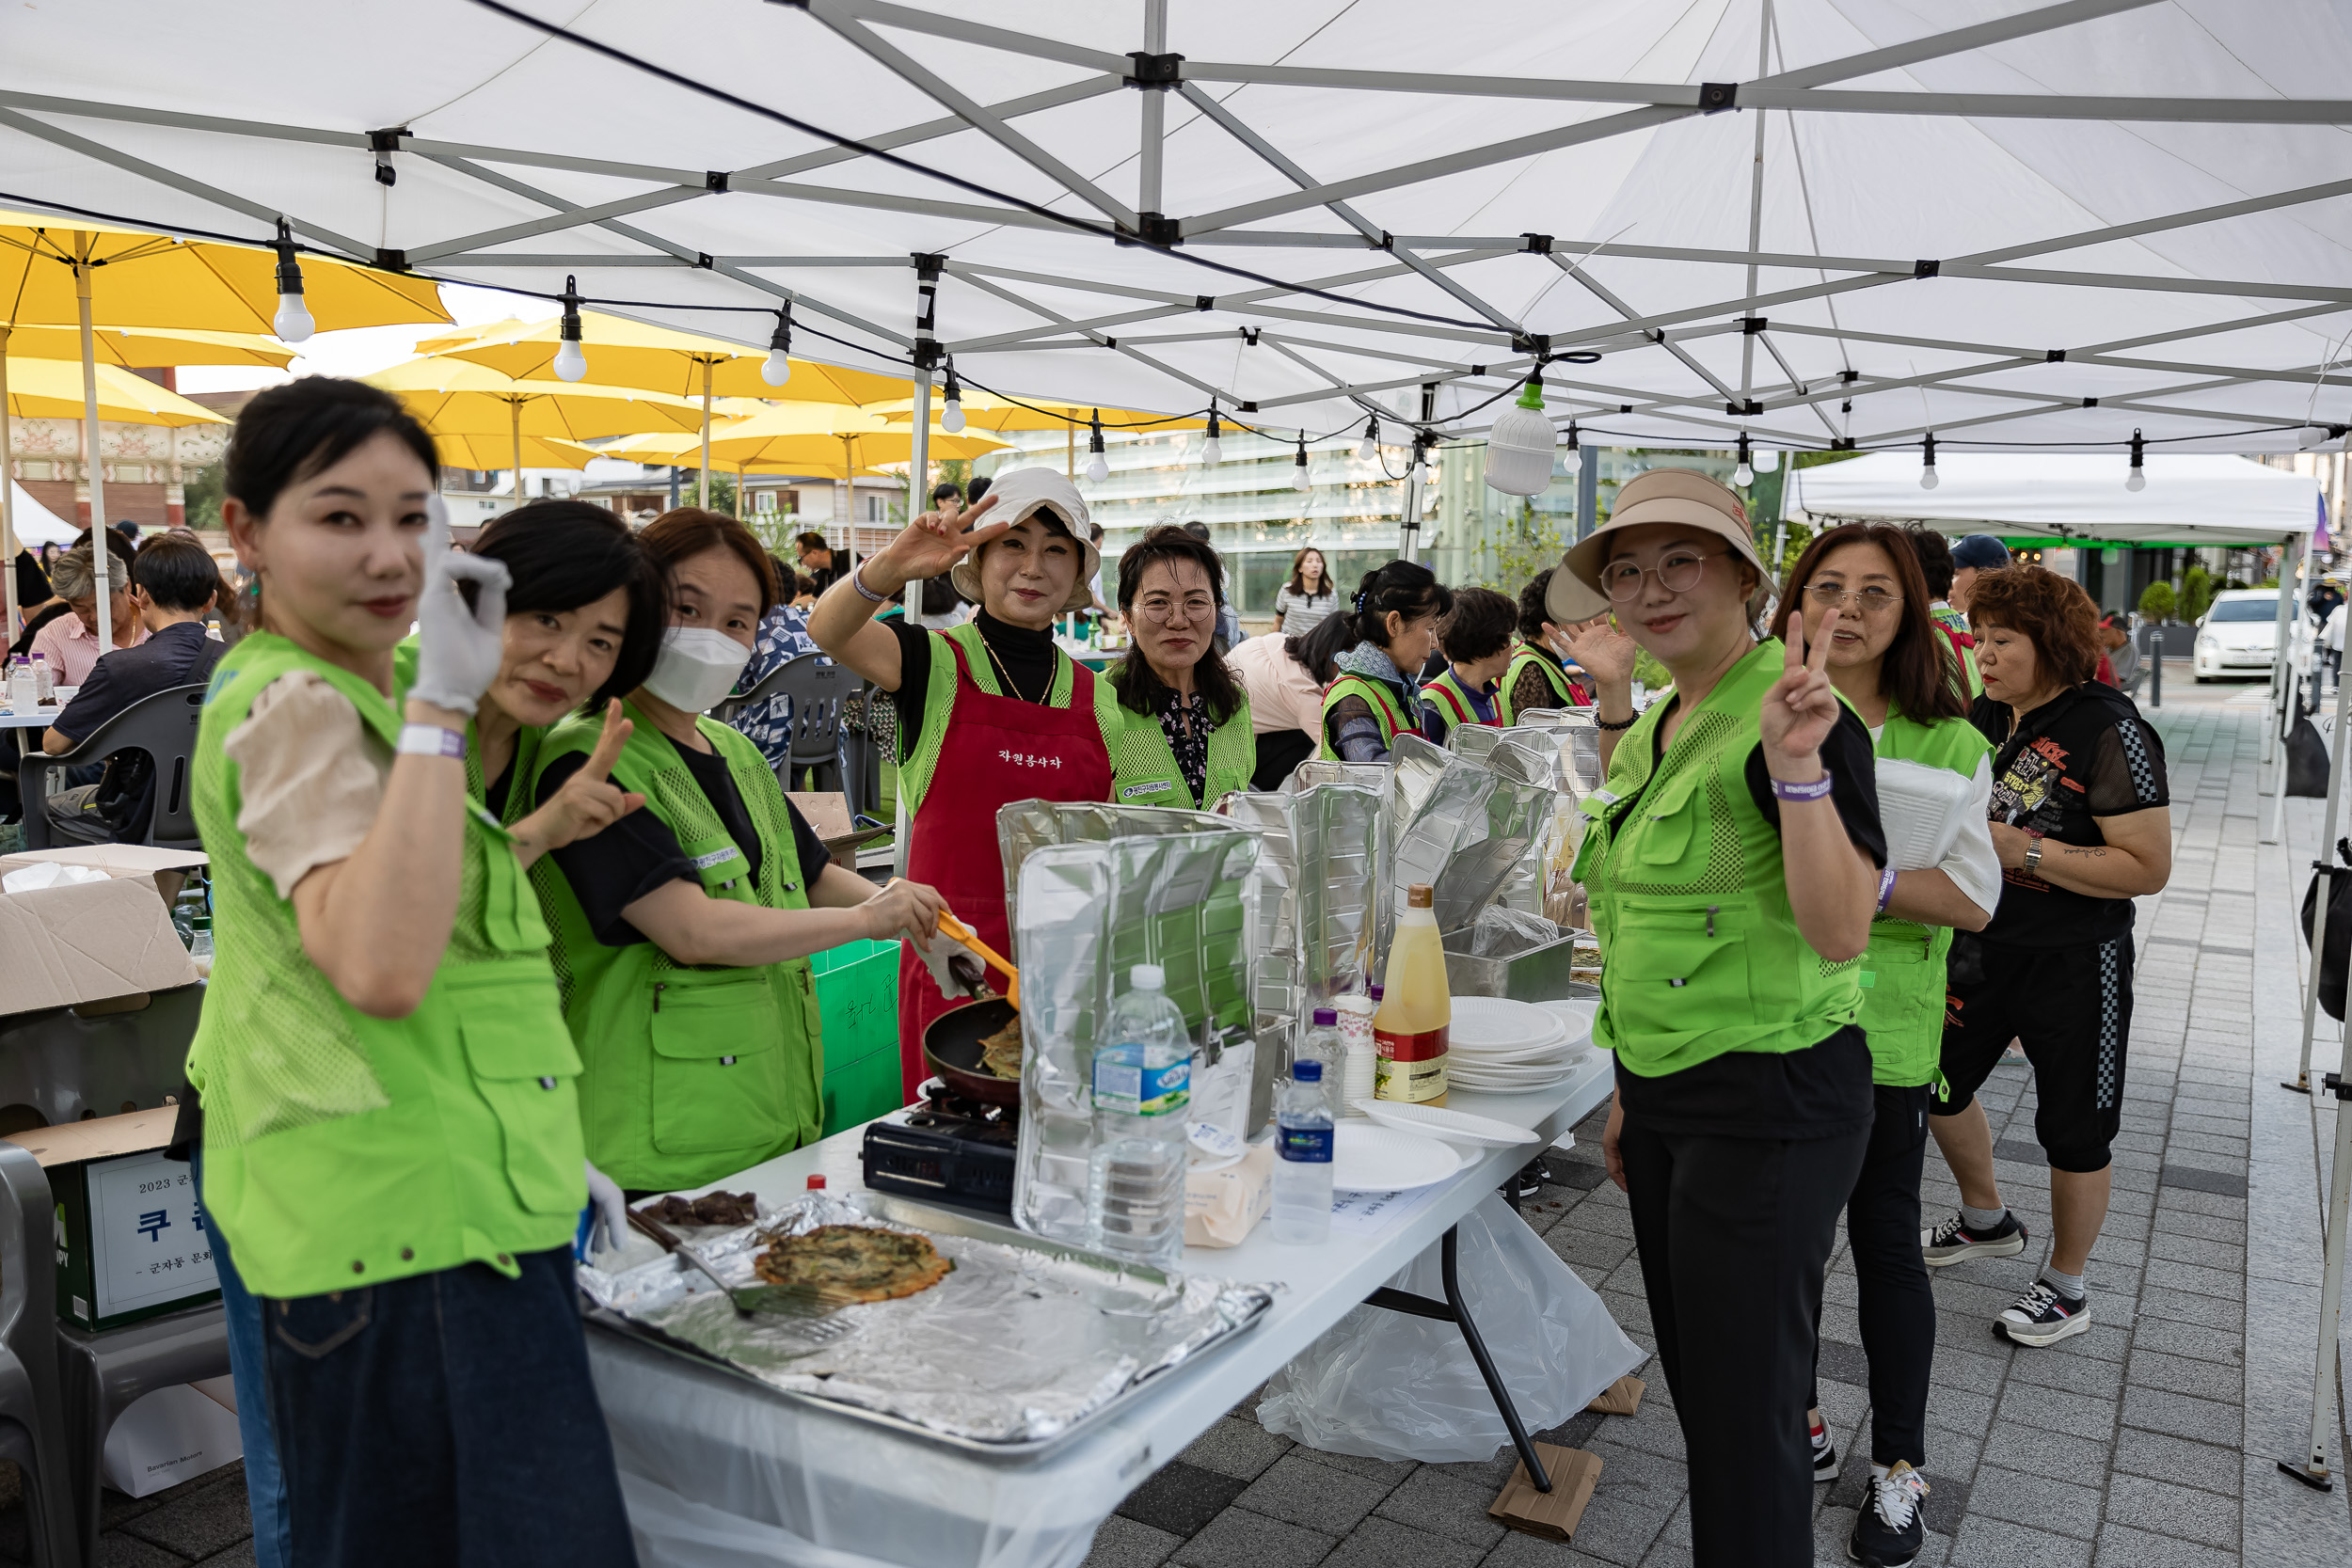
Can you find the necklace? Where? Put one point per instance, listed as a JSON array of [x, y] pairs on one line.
[[1006, 675]]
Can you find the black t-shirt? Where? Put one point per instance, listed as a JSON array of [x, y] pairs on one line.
[[613, 870], [1028, 660], [2084, 754]]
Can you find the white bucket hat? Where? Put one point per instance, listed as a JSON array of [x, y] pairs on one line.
[[1020, 493], [1681, 496]]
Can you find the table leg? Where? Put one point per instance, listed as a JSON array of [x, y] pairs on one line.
[[1454, 1310]]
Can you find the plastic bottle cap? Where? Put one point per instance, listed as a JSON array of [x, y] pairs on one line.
[[1326, 1016], [1147, 977], [1307, 1073], [1418, 896], [1377, 992], [816, 1183]]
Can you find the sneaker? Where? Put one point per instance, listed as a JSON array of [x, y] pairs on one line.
[[1952, 1240], [1824, 1454], [2044, 1316], [1889, 1532]]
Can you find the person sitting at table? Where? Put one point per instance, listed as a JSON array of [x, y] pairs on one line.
[[816, 560], [683, 931], [1285, 704], [1540, 674], [69, 642], [990, 711], [1377, 648], [1476, 642], [783, 637], [1184, 736], [174, 586]]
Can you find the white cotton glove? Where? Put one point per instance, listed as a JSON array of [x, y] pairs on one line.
[[610, 1228], [459, 650]]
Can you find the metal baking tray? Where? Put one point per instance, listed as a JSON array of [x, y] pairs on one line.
[[1027, 1343]]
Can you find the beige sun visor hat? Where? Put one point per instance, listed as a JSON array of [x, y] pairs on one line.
[[1681, 496], [1017, 495]]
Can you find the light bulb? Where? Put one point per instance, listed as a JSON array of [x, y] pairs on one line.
[[1212, 452], [2135, 480], [1299, 470], [1743, 476], [951, 416], [570, 363], [1926, 478], [1369, 448], [1097, 469], [1927, 462], [775, 370], [293, 322], [1573, 464]]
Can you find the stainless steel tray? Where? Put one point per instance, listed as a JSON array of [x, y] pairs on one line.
[[1025, 1343]]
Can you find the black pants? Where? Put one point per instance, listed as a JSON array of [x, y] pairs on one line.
[[447, 1418], [2071, 1009], [1734, 1236], [1897, 1309]]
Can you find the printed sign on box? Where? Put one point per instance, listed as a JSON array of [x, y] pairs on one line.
[[151, 1245]]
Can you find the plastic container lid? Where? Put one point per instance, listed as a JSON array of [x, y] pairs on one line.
[[1377, 992], [1147, 977], [1326, 1016], [816, 1183], [1306, 1072]]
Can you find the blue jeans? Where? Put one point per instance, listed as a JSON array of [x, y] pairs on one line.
[[264, 1483], [446, 1419]]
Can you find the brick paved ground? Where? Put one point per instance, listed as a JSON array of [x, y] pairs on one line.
[[2147, 1441]]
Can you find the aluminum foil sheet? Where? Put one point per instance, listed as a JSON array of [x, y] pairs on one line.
[[1019, 1346], [1463, 826], [1185, 898], [1580, 750]]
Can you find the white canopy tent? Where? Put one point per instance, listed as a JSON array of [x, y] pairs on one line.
[[34, 523], [2187, 500]]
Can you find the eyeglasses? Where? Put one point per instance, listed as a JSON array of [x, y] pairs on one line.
[[1172, 613], [1679, 573], [1874, 601]]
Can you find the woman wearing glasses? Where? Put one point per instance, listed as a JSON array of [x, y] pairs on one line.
[[1733, 865], [1183, 736], [1890, 663]]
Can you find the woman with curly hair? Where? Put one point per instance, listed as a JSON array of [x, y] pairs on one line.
[[1542, 672], [2081, 821]]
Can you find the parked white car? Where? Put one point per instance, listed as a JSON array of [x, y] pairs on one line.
[[2239, 634]]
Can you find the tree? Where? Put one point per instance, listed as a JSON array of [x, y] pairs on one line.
[[2156, 604], [204, 493], [2196, 592]]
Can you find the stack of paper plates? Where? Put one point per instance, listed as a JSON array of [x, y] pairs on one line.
[[1503, 1046]]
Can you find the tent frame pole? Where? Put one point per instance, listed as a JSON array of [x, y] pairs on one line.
[[2283, 692], [702, 483]]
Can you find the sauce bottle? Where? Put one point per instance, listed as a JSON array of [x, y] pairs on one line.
[[1410, 1030]]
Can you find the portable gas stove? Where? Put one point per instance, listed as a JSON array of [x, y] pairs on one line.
[[947, 1147]]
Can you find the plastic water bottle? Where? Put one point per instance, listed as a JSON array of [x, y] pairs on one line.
[[1302, 1171], [1325, 1046], [1143, 1095], [24, 695]]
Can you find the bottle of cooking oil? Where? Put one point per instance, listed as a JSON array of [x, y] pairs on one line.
[[1410, 1030]]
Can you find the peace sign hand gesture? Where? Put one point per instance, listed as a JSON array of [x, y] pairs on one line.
[[588, 802], [1802, 708], [936, 540]]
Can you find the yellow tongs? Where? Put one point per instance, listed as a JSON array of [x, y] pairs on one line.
[[955, 931]]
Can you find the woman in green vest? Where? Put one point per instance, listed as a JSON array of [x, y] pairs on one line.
[[1378, 647], [1731, 858], [1539, 674], [683, 932], [1891, 663], [391, 1139], [1184, 736]]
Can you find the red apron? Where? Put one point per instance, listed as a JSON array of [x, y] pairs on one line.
[[997, 749]]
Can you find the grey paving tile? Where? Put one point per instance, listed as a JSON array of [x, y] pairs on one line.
[[2228, 1284], [1386, 1543], [2197, 1200], [1299, 1492], [2175, 1247], [199, 1523], [2057, 1409], [2177, 1374], [1988, 1543], [2168, 1510], [2121, 1546], [1388, 1470], [1181, 1498], [1240, 1539], [1236, 1447], [2033, 1451], [2203, 1420], [2042, 1502], [1430, 1499], [1527, 1551], [238, 1555], [2162, 1300], [1121, 1542], [117, 1550], [2174, 1338], [1961, 1368], [2074, 1374]]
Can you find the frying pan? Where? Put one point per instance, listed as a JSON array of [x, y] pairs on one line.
[[951, 1048]]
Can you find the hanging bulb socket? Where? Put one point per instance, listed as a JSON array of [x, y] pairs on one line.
[[2137, 479], [1573, 464], [1927, 466], [1744, 474], [777, 367], [1299, 468], [1098, 467], [570, 362], [1213, 450], [1369, 448], [293, 322], [951, 411]]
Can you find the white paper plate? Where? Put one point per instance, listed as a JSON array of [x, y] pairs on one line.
[[1499, 1081], [1368, 1158], [1577, 1014], [1458, 1127], [1559, 1050], [1497, 1023]]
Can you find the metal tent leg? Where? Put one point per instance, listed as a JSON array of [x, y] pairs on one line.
[[1452, 1311]]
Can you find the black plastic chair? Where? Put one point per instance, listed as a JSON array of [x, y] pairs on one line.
[[32, 1405], [105, 1373], [163, 726], [817, 687]]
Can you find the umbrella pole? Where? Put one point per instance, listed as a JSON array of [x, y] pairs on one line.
[[849, 502], [9, 607], [515, 421], [919, 481], [703, 481], [96, 470]]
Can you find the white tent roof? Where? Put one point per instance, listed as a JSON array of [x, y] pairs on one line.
[[35, 524], [2187, 500], [1912, 213]]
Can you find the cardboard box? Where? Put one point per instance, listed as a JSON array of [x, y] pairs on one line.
[[132, 1241], [170, 1436], [62, 946]]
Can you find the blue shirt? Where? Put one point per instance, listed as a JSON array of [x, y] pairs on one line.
[[768, 724]]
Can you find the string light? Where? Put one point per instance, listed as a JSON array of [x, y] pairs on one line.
[[293, 322], [1927, 468], [1573, 464], [2137, 479], [1298, 469], [570, 363], [951, 411], [1744, 475], [777, 368], [1098, 467], [1212, 450], [1369, 448]]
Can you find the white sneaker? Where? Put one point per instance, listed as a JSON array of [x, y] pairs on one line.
[[2044, 1316]]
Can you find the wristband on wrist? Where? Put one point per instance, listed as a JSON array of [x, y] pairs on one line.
[[1613, 725], [1886, 888], [1817, 790], [431, 740], [857, 580]]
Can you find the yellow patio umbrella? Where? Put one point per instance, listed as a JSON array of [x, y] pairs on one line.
[[455, 397], [60, 272], [683, 450], [144, 346], [484, 452], [622, 353], [802, 434], [52, 390]]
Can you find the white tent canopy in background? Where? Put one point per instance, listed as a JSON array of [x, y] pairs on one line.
[[2191, 501], [35, 524], [1813, 222]]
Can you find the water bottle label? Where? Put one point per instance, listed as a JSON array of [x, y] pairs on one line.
[[1166, 1089], [1117, 1085], [1128, 1090], [1309, 1144]]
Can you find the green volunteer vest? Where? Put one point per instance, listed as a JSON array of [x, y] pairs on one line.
[[1902, 974], [1506, 711], [1453, 700], [920, 753], [342, 1150], [1689, 899], [1385, 710], [1143, 764], [689, 1073]]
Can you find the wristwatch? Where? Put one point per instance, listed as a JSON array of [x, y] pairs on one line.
[[2033, 854]]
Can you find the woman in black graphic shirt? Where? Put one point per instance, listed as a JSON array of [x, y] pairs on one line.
[[2082, 823]]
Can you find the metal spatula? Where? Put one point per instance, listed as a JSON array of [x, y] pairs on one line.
[[813, 1308]]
